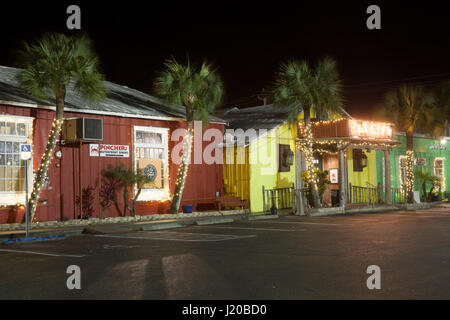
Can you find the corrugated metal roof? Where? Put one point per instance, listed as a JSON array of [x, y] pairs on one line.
[[260, 117], [119, 100]]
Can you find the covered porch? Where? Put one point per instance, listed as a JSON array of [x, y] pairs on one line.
[[345, 148]]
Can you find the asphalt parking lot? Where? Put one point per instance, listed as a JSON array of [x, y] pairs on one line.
[[287, 258]]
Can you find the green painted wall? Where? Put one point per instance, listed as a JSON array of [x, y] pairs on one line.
[[421, 150]]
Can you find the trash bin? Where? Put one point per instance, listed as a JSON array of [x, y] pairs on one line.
[[334, 198], [188, 208]]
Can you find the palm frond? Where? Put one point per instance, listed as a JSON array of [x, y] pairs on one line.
[[297, 84], [199, 89], [54, 60]]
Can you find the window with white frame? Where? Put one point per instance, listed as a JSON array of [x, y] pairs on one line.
[[439, 172], [151, 156], [14, 130]]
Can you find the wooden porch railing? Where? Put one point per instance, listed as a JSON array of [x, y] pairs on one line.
[[278, 198], [372, 195]]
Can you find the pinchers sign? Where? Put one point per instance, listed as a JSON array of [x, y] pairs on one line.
[[109, 150]]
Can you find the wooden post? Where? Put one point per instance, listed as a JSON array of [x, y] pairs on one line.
[[264, 199], [387, 176], [342, 179], [350, 193], [81, 178]]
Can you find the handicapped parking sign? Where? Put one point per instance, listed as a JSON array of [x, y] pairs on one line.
[[25, 151]]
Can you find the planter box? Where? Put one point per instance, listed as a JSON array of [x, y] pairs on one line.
[[9, 216]]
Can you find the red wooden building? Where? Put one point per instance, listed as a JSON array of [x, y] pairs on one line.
[[137, 123]]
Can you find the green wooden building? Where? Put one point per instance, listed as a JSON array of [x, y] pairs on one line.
[[430, 155]]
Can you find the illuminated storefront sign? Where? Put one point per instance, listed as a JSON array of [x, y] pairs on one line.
[[370, 129]]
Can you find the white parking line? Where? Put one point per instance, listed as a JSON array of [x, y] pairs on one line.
[[417, 216], [296, 222], [264, 229], [171, 236], [44, 253]]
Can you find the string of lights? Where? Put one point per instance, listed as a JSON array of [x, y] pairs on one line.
[[46, 159], [409, 172], [184, 167]]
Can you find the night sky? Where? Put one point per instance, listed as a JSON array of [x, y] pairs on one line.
[[248, 40]]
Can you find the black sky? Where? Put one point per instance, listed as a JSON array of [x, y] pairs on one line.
[[248, 40]]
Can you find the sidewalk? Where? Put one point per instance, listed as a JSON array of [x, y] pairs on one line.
[[318, 212], [124, 227]]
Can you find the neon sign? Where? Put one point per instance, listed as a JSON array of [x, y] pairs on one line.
[[370, 129]]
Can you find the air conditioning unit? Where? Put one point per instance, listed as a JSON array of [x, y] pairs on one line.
[[76, 129]]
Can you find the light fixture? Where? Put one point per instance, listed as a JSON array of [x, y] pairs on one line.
[[363, 160]]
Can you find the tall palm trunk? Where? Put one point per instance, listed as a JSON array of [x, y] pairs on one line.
[[409, 165], [309, 157], [48, 153], [182, 169]]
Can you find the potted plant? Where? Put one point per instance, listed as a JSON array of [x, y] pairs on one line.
[[88, 202]]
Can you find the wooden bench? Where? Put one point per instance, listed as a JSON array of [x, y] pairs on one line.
[[231, 202]]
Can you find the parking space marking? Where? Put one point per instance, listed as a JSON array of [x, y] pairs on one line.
[[180, 236], [418, 216], [313, 223], [262, 229], [50, 254]]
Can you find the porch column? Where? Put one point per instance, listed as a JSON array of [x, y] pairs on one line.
[[387, 175], [342, 179], [300, 210], [298, 167]]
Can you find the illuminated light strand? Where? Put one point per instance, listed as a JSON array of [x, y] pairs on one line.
[[184, 167], [309, 156], [409, 172], [34, 199]]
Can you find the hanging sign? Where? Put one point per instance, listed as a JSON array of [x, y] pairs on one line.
[[420, 161], [109, 150], [334, 176]]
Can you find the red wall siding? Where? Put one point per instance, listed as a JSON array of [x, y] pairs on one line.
[[202, 182]]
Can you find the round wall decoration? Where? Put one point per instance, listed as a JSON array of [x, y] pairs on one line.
[[150, 172]]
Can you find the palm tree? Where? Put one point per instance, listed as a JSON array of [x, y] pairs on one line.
[[436, 120], [298, 86], [426, 177], [200, 91], [49, 66], [409, 106]]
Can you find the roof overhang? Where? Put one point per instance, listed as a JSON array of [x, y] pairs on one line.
[[96, 112]]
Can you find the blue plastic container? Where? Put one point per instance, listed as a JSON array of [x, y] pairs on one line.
[[188, 208]]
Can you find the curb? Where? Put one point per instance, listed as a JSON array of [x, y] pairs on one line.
[[262, 217], [205, 222], [161, 226], [35, 239], [42, 233]]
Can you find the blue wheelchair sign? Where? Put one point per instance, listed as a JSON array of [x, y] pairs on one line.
[[25, 148], [25, 151]]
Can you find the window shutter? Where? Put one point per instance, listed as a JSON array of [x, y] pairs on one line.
[[357, 160]]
